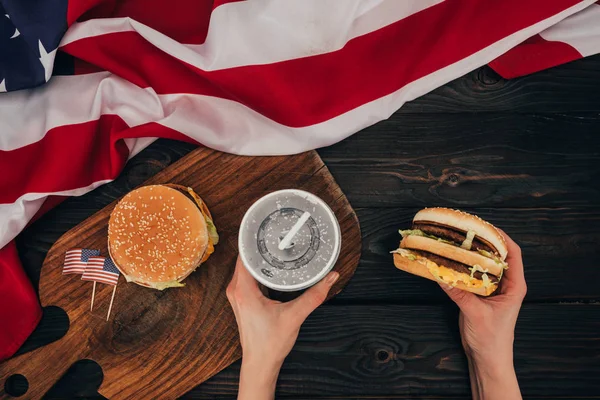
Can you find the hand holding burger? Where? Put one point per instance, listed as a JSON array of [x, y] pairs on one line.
[[455, 248], [487, 329], [468, 256]]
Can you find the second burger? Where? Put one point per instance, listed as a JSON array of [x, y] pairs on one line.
[[453, 247]]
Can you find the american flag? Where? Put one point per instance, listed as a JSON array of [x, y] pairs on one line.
[[76, 260], [246, 77], [101, 269]]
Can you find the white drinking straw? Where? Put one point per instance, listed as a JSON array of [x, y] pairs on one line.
[[290, 235]]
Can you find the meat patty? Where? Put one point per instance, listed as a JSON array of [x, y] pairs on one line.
[[453, 235], [455, 265]]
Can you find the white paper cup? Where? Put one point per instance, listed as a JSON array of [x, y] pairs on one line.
[[313, 251]]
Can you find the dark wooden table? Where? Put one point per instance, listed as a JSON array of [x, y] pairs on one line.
[[524, 154]]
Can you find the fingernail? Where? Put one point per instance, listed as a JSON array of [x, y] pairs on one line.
[[332, 277]]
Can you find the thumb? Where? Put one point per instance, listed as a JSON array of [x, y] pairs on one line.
[[301, 307], [463, 299]]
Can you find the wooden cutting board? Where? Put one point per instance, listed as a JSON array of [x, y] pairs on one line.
[[162, 344]]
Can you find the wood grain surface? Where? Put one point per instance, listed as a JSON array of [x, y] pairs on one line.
[[523, 153], [387, 350], [160, 344], [569, 88], [473, 160]]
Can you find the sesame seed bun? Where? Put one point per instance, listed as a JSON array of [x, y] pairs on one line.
[[465, 222], [157, 236]]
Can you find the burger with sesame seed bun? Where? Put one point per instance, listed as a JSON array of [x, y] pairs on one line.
[[159, 234], [455, 248]]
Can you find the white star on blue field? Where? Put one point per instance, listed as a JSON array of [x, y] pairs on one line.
[[30, 31]]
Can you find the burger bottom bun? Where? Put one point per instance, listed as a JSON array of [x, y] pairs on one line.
[[416, 268]]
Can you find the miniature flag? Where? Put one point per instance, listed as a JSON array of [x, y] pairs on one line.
[[101, 269], [76, 260]]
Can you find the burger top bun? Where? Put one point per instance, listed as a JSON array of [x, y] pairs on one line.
[[157, 236], [465, 222]]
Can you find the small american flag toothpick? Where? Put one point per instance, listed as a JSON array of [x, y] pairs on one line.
[[76, 260], [103, 270]]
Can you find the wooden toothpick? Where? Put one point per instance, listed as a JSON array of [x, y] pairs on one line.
[[93, 294], [111, 302]]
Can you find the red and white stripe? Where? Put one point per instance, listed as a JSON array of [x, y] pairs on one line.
[[266, 78], [95, 272], [73, 263], [573, 38]]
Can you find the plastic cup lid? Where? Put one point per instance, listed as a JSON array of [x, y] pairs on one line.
[[309, 255]]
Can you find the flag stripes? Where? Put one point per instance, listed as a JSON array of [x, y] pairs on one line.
[[101, 269]]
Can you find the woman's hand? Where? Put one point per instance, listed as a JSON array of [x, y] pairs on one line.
[[268, 329], [487, 328]]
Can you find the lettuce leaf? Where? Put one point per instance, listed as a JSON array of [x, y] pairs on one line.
[[493, 257], [212, 230], [405, 253], [478, 268], [486, 281], [166, 285], [418, 232]]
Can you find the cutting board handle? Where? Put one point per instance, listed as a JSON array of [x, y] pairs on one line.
[[42, 367]]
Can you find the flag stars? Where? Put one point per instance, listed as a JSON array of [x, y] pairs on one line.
[[47, 60], [17, 33]]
